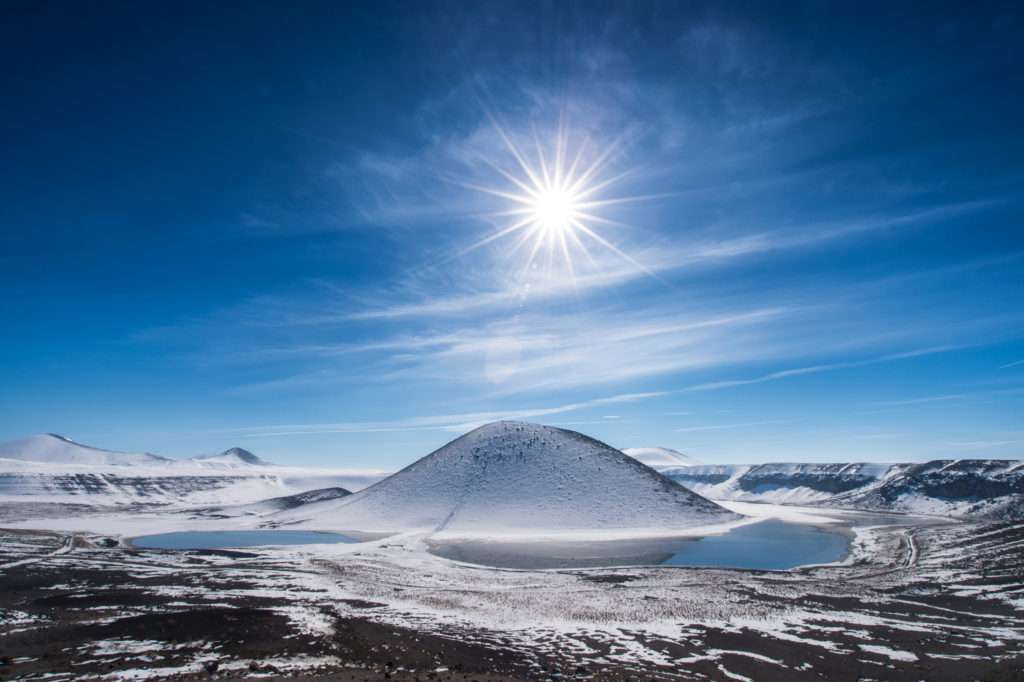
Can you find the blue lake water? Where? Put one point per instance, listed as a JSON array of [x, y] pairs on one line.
[[770, 545], [225, 539], [766, 545]]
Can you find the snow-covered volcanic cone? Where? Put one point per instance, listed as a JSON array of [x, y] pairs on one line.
[[520, 479]]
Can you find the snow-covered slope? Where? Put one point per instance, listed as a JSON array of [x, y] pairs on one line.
[[965, 487], [50, 468], [517, 478], [660, 458], [53, 449]]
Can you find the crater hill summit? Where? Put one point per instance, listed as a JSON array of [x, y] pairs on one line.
[[518, 478]]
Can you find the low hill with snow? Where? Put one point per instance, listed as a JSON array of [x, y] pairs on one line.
[[273, 504], [49, 448], [518, 478], [659, 458]]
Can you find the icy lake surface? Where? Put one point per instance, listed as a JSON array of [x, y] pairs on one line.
[[236, 538], [768, 545]]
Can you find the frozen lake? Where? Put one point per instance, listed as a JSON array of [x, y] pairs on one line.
[[225, 539], [768, 545]]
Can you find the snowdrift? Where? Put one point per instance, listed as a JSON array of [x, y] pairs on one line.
[[517, 478]]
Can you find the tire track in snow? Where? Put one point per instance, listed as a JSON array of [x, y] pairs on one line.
[[67, 545]]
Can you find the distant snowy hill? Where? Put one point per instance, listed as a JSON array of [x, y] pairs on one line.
[[275, 504], [53, 449], [659, 458], [49, 468], [235, 457], [517, 478]]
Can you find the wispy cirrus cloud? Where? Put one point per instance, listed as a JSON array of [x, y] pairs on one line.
[[534, 351], [608, 272]]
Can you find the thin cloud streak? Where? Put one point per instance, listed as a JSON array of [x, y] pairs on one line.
[[722, 427], [948, 397], [451, 422], [816, 369]]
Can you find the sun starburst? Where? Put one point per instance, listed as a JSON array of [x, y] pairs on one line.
[[553, 201]]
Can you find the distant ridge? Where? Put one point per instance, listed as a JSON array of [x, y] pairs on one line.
[[968, 488]]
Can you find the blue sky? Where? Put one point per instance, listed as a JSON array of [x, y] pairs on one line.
[[225, 227]]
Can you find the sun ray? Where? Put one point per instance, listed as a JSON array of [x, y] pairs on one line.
[[511, 178], [592, 218], [525, 239], [515, 152], [537, 243], [585, 192], [543, 164], [499, 193], [497, 235], [581, 246], [568, 258], [625, 200], [571, 173], [608, 245], [601, 159]]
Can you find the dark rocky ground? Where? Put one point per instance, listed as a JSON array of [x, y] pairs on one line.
[[950, 599]]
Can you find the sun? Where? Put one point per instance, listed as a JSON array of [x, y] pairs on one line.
[[553, 200], [555, 211]]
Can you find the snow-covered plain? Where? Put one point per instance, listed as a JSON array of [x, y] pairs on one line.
[[890, 612]]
